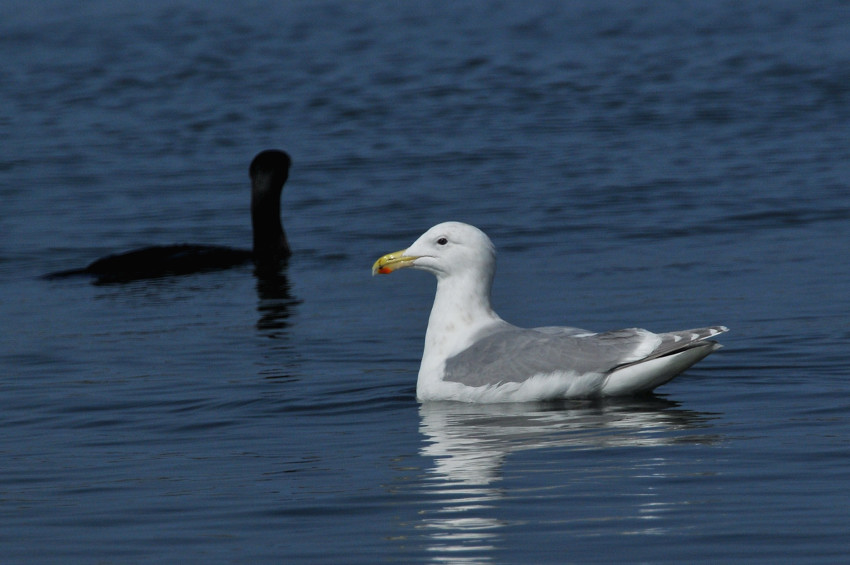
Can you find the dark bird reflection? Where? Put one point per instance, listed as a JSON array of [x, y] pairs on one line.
[[469, 443], [268, 171], [275, 302]]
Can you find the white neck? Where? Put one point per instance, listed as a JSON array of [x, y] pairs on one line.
[[461, 309]]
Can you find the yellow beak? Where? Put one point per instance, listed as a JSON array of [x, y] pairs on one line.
[[391, 262]]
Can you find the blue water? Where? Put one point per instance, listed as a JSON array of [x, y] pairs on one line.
[[665, 165]]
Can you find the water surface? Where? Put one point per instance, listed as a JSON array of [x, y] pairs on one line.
[[664, 166]]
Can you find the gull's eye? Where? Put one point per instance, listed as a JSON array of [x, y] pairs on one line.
[[442, 241]]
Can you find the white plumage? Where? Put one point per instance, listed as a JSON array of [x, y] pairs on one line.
[[472, 355]]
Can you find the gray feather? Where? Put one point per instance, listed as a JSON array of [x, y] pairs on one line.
[[511, 354]]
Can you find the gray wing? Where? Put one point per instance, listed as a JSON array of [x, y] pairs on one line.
[[512, 354], [516, 354]]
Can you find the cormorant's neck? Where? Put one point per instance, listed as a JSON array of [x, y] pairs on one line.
[[270, 245]]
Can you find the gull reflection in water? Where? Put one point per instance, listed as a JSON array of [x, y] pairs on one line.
[[469, 444]]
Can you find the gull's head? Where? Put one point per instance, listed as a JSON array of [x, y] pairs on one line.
[[446, 249]]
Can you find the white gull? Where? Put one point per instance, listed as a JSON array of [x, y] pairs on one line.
[[472, 355]]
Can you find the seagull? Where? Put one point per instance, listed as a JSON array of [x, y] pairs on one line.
[[473, 355], [268, 171]]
